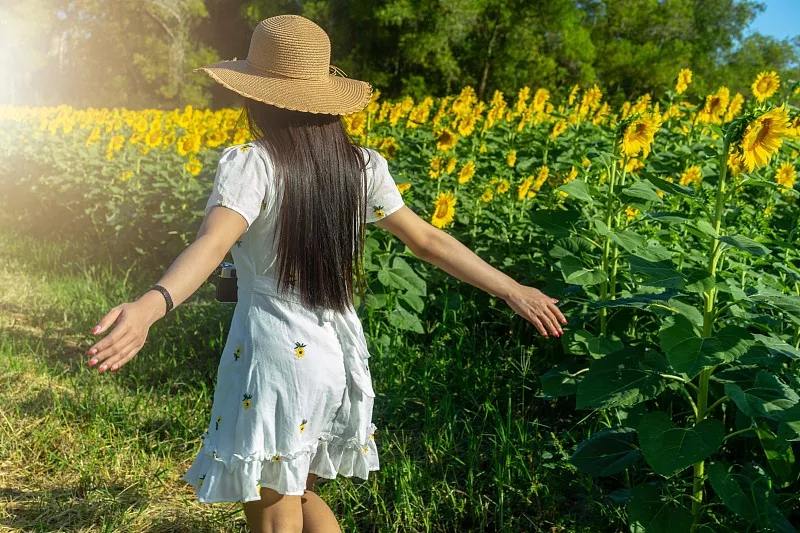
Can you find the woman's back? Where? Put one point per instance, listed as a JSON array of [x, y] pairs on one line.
[[246, 182]]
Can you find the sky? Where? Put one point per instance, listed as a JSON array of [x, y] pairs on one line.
[[781, 19]]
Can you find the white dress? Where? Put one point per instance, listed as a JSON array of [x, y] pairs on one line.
[[293, 394]]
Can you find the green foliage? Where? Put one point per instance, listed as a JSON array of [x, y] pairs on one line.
[[403, 47], [684, 302]]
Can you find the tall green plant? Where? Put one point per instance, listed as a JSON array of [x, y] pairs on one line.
[[717, 330]]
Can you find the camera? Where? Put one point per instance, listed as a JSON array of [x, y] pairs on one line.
[[224, 276]]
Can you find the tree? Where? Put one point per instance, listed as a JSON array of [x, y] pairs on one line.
[[114, 53]]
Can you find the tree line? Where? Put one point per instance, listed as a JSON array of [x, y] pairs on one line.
[[142, 53]]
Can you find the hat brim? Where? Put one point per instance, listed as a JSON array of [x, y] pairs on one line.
[[332, 95]]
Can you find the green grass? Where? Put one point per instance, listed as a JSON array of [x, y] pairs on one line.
[[466, 441]]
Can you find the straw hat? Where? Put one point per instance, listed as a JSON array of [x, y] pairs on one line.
[[288, 66]]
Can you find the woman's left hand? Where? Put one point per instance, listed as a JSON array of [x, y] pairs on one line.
[[132, 322]]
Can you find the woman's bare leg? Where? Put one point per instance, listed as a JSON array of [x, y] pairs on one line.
[[274, 513], [317, 516]]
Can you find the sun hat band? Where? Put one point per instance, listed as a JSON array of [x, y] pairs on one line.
[[288, 66]]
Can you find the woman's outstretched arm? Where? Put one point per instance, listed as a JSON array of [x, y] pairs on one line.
[[446, 252], [132, 320]]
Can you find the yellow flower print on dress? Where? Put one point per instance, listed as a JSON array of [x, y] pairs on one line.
[[246, 401], [276, 458], [263, 205], [303, 426], [366, 448], [299, 350], [237, 353], [245, 148], [258, 485], [219, 419], [378, 209], [239, 242]]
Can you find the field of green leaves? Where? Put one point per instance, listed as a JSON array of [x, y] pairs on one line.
[[668, 230]]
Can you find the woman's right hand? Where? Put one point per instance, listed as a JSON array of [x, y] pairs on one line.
[[538, 309]]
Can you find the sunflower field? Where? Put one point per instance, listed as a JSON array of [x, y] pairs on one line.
[[669, 230]]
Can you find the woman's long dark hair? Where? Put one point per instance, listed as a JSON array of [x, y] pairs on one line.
[[323, 207]]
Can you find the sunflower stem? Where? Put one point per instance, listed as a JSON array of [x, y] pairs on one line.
[[612, 292], [604, 286], [708, 323]]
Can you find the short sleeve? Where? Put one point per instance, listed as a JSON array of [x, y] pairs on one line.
[[240, 183], [383, 197]]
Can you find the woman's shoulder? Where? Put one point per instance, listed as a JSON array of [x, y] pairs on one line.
[[373, 160], [245, 154]]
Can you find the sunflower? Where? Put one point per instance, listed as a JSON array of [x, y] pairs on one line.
[[591, 99], [300, 349], [451, 165], [444, 209], [573, 94], [715, 106], [631, 212], [153, 138], [141, 125], [446, 140], [540, 99], [559, 128], [511, 158], [522, 100], [524, 187], [503, 186], [641, 104], [684, 79], [691, 175], [735, 163], [403, 187], [785, 176], [639, 134], [194, 166], [487, 195], [762, 138], [466, 126], [602, 114], [94, 136], [240, 136], [216, 138], [467, 172], [189, 144], [389, 148], [573, 173], [634, 164], [734, 108], [765, 85], [169, 140], [540, 180], [115, 144], [436, 168]]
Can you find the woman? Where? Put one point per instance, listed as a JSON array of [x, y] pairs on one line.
[[293, 399]]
